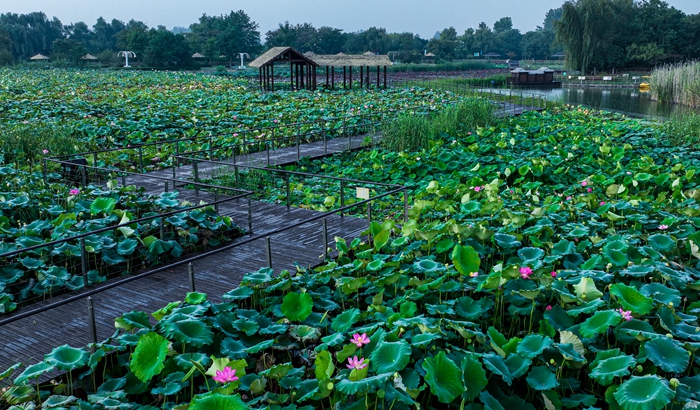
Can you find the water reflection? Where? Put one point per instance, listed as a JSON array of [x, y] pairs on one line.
[[625, 100]]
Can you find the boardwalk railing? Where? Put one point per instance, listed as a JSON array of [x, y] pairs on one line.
[[78, 261]]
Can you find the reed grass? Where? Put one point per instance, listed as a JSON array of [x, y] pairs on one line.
[[414, 131], [677, 84], [683, 128], [25, 144]]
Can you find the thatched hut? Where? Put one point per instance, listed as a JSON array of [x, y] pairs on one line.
[[301, 76], [39, 57], [348, 62]]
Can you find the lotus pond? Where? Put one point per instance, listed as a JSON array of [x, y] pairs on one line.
[[107, 109], [35, 213], [550, 262]]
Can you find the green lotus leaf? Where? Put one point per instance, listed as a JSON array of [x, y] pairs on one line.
[[195, 298], [517, 365], [170, 389], [465, 259], [471, 207], [189, 331], [533, 345], [599, 322], [662, 293], [589, 307], [102, 205], [631, 299], [497, 365], [375, 265], [260, 346], [297, 306], [127, 246], [305, 333], [662, 243], [365, 385], [427, 265], [530, 256], [66, 358], [217, 402], [607, 369], [233, 348], [444, 378], [474, 377], [31, 263], [10, 275], [615, 252], [644, 393], [240, 293], [667, 354], [506, 241], [149, 355], [468, 308], [132, 320], [324, 366], [541, 378], [490, 402], [586, 290], [246, 326], [184, 360], [58, 402], [33, 371], [344, 321], [390, 357]]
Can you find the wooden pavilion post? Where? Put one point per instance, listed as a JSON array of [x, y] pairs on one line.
[[350, 69], [362, 74], [327, 82], [301, 75], [291, 74], [367, 79], [377, 77], [260, 76], [314, 72], [296, 74], [385, 77], [344, 79], [332, 77], [272, 75]]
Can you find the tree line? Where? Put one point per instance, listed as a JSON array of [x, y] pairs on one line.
[[593, 34]]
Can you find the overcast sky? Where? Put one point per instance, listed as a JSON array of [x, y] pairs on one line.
[[424, 17]]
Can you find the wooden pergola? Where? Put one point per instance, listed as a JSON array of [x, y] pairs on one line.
[[365, 62], [302, 70]]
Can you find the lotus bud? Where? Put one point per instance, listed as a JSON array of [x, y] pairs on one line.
[[674, 383], [551, 361], [670, 304], [638, 368], [668, 335]]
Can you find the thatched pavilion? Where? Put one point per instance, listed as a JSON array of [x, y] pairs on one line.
[[365, 62], [39, 57], [303, 68], [301, 76]]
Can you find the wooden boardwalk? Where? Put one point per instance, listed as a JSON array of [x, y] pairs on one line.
[[28, 340]]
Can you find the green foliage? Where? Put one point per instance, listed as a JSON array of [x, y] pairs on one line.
[[24, 144], [149, 356]]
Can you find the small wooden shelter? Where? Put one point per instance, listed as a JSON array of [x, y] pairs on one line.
[[39, 57], [541, 77], [302, 70], [491, 55], [198, 56], [89, 58]]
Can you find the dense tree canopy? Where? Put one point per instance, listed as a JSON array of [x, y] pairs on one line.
[[594, 34]]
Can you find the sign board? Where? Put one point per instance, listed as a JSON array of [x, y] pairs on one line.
[[607, 78], [582, 78], [362, 193], [477, 54]]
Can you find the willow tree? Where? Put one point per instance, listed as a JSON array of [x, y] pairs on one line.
[[588, 28]]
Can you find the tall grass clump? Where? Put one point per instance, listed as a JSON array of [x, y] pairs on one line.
[[683, 128], [27, 144], [413, 131], [467, 65], [677, 84]]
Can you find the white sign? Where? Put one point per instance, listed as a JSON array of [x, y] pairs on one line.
[[607, 78], [582, 78], [362, 193]]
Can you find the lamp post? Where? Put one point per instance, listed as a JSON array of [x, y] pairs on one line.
[[126, 55], [241, 55]]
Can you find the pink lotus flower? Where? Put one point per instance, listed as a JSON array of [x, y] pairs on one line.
[[226, 375], [568, 198], [235, 117], [359, 340], [584, 183], [663, 227], [235, 134], [589, 190], [45, 151], [548, 308], [275, 121], [525, 272], [626, 314], [602, 203], [469, 133], [74, 192], [474, 274], [477, 188], [356, 364], [554, 274]]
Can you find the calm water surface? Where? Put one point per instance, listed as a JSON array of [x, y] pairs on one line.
[[625, 100]]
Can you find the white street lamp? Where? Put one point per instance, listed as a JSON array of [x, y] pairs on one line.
[[126, 55], [241, 55]]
